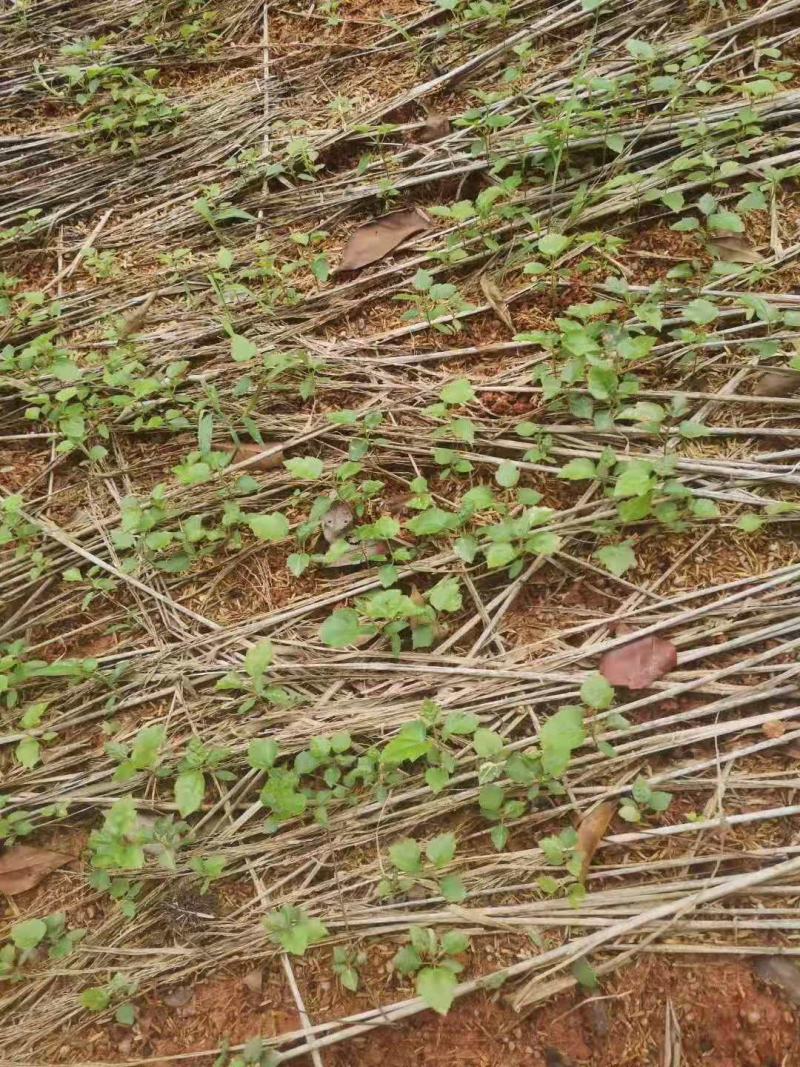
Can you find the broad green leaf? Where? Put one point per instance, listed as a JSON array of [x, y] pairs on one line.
[[242, 348], [307, 468], [507, 474], [190, 788], [596, 692], [437, 987], [459, 391], [406, 856], [452, 889], [340, 629], [27, 752], [446, 595], [26, 935], [262, 753], [404, 749], [441, 849], [552, 244], [578, 470], [258, 658], [616, 558], [487, 743], [560, 735], [274, 527], [701, 312]]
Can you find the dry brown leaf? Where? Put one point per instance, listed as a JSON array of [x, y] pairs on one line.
[[23, 866], [554, 1058], [336, 522], [781, 971], [591, 832], [377, 239], [773, 728], [638, 664], [434, 127], [782, 382], [265, 463], [496, 302], [254, 980], [734, 250]]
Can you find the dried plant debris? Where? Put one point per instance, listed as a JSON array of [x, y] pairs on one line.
[[377, 239], [639, 663]]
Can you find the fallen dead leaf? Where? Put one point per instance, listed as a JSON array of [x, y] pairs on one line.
[[640, 663], [179, 997], [734, 250], [434, 127], [780, 971], [336, 522], [781, 382], [254, 980], [496, 302], [591, 832], [377, 239], [23, 867], [773, 728], [264, 463]]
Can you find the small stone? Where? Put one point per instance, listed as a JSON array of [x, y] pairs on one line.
[[254, 980]]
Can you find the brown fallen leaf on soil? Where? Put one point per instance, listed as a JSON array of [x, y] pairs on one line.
[[378, 238], [734, 250], [23, 867], [265, 463], [773, 728], [336, 522], [781, 382], [780, 971], [591, 832], [640, 663], [495, 300], [596, 1014], [435, 126], [254, 980]]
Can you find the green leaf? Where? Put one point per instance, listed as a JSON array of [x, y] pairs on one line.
[[466, 548], [404, 749], [673, 200], [441, 849], [703, 508], [487, 743], [507, 474], [552, 244], [146, 748], [407, 960], [258, 658], [616, 142], [459, 391], [406, 856], [543, 544], [26, 935], [749, 522], [560, 735], [340, 629], [125, 1014], [616, 558], [452, 889], [446, 595], [460, 723], [634, 480], [27, 752], [454, 942], [431, 522], [274, 527], [293, 930], [437, 778], [701, 312], [596, 692], [307, 468], [242, 349], [95, 999], [578, 470], [190, 788], [437, 987], [499, 554], [725, 222], [262, 753], [499, 836]]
